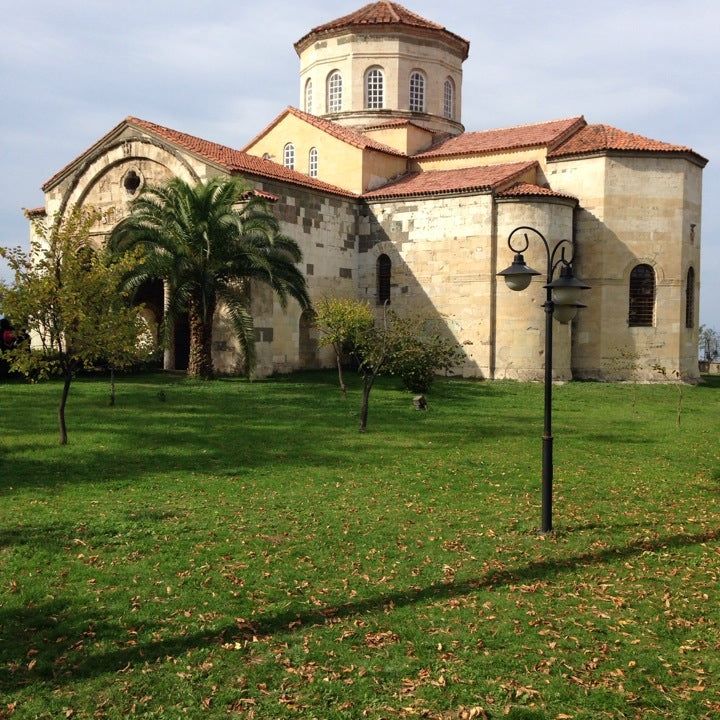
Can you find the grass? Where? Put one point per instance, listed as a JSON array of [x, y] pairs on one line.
[[240, 550]]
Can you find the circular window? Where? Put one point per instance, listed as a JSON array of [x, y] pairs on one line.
[[131, 182]]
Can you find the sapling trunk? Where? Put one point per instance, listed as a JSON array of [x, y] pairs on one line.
[[341, 380], [368, 381], [61, 409], [112, 386]]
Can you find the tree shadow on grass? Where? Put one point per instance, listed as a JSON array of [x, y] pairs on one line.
[[196, 429], [40, 627]]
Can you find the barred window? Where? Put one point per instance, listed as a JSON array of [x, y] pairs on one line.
[[417, 92], [308, 96], [384, 276], [334, 92], [690, 299], [449, 99], [289, 156], [313, 163], [374, 89], [642, 297]]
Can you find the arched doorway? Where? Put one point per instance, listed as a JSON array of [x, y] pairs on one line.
[[308, 341]]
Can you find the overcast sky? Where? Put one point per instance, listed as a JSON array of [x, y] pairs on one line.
[[71, 70]]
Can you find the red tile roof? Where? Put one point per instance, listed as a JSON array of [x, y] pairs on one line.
[[594, 138], [34, 212], [231, 160], [346, 134], [547, 134], [381, 13], [440, 182], [530, 190]]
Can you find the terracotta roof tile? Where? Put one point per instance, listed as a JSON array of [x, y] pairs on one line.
[[546, 134], [381, 13], [34, 212], [440, 182], [346, 134], [231, 160], [594, 138], [530, 190]]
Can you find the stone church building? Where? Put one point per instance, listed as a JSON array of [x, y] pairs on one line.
[[392, 200]]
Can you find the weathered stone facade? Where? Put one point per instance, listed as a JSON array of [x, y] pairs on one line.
[[367, 182]]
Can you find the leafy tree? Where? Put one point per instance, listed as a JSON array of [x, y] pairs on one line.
[[421, 351], [709, 343], [66, 306], [404, 347], [207, 242], [341, 322]]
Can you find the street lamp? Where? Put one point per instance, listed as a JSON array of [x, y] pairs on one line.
[[562, 296]]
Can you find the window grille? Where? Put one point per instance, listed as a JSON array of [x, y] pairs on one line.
[[690, 299], [449, 99], [334, 92], [417, 92], [374, 89], [308, 96], [289, 156], [642, 297]]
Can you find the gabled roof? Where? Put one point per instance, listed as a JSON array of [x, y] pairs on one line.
[[226, 158], [346, 134], [442, 182], [390, 124], [597, 138], [381, 14], [547, 134], [531, 190]]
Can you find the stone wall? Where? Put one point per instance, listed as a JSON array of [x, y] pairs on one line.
[[442, 266], [634, 210]]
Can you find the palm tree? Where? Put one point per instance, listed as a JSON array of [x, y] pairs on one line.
[[207, 242]]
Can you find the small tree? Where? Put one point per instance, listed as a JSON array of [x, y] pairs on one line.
[[709, 343], [341, 322], [66, 305], [404, 347]]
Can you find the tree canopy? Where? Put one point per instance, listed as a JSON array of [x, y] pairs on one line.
[[208, 242]]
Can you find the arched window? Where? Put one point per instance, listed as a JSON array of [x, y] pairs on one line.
[[334, 92], [449, 99], [690, 299], [417, 92], [374, 89], [384, 276], [313, 163], [308, 96], [289, 156], [642, 296]]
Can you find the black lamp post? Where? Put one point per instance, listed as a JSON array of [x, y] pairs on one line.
[[562, 295]]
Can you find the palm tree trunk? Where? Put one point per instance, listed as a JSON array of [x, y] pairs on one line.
[[200, 365]]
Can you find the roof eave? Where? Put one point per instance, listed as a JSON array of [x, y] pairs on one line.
[[689, 155]]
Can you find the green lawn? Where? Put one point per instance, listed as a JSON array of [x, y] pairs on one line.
[[240, 550]]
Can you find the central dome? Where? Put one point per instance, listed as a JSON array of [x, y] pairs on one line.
[[383, 63]]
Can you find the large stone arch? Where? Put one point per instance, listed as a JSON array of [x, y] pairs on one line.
[[121, 153]]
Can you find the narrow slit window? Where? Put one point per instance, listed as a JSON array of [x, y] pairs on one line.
[[690, 299], [313, 163], [384, 278], [642, 297]]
